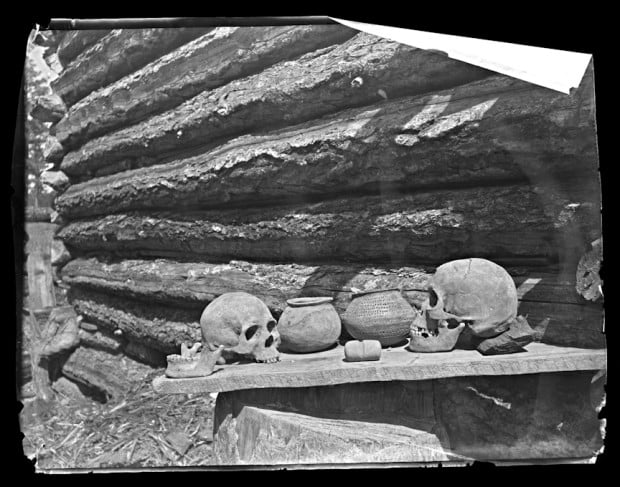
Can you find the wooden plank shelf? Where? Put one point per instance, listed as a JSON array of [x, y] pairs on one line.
[[329, 368]]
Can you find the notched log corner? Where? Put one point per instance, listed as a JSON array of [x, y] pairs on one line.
[[589, 282]]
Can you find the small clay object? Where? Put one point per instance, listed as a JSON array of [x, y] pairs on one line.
[[362, 350], [382, 315], [309, 325]]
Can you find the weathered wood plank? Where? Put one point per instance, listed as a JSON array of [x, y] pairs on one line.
[[39, 266], [543, 416], [266, 436], [116, 54], [289, 92], [431, 227], [329, 368], [74, 42], [530, 416], [205, 63], [492, 130]]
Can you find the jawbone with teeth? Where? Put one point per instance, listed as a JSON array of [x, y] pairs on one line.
[[430, 335], [193, 362]]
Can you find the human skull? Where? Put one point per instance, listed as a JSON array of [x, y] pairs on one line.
[[475, 292], [243, 324]]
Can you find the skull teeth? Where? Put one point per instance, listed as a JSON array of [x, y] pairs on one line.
[[423, 332], [269, 360]]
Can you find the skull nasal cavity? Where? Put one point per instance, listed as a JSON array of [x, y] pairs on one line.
[[432, 298], [269, 341], [271, 325], [249, 333]]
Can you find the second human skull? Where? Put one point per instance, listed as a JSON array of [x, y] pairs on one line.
[[473, 291]]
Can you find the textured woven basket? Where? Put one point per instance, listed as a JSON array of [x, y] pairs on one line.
[[382, 315]]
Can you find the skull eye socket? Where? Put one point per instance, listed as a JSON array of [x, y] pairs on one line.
[[452, 323], [249, 333], [432, 298], [271, 325], [269, 341]]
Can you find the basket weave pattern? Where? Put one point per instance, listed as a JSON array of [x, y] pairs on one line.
[[385, 316]]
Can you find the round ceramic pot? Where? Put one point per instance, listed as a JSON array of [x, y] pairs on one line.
[[308, 325], [382, 315]]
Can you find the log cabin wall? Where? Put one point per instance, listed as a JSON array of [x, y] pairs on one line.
[[306, 160]]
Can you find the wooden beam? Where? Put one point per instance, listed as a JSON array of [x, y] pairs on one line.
[[39, 266], [329, 368]]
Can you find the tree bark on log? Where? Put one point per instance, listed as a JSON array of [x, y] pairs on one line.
[[289, 92], [212, 60], [159, 303], [73, 43], [115, 55], [497, 129], [154, 326], [113, 376], [192, 284], [432, 227]]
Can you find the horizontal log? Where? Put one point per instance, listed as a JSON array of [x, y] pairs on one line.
[[140, 296], [211, 60], [192, 284], [100, 341], [317, 83], [431, 227], [112, 375], [158, 327], [496, 129], [74, 42], [115, 55]]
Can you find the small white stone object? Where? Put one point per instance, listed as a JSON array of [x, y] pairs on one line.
[[357, 82]]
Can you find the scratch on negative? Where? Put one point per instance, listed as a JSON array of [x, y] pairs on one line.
[[497, 401]]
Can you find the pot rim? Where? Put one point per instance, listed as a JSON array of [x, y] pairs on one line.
[[371, 291], [309, 301]]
